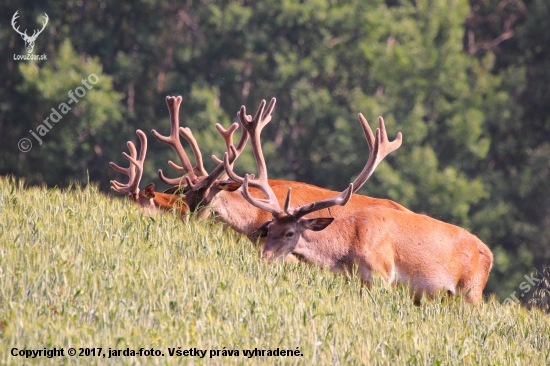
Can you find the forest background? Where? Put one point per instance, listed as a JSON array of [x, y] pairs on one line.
[[466, 82]]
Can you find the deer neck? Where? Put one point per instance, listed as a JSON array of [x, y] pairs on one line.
[[232, 209], [325, 248]]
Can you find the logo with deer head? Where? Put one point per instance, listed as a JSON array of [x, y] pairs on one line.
[[29, 40]]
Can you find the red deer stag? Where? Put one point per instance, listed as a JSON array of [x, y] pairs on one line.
[[401, 246], [307, 193]]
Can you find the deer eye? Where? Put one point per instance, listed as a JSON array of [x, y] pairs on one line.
[[290, 234]]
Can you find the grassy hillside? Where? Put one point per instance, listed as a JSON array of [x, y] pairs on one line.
[[81, 269]]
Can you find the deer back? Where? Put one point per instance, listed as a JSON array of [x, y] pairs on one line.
[[402, 247], [232, 209]]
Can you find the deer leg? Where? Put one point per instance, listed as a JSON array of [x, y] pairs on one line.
[[364, 284]]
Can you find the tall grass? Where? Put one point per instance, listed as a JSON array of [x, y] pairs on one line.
[[82, 269]]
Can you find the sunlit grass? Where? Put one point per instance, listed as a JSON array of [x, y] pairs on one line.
[[82, 269]]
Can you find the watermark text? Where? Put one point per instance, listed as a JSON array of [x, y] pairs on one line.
[[25, 144]]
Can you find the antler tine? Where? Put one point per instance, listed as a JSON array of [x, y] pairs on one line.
[[340, 199], [379, 147], [254, 127], [130, 171], [134, 171], [138, 164], [227, 136], [242, 142], [369, 136], [198, 169], [269, 205], [228, 166], [386, 146], [174, 142], [234, 177]]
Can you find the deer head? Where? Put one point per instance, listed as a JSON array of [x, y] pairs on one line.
[[29, 40]]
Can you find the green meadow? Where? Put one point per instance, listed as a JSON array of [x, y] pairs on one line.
[[81, 269]]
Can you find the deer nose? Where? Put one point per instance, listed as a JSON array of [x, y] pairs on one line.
[[267, 254]]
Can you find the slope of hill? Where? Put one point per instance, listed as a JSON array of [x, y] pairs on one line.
[[84, 270]]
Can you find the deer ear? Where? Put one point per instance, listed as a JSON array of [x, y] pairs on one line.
[[261, 232], [150, 191], [229, 186], [317, 224]]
